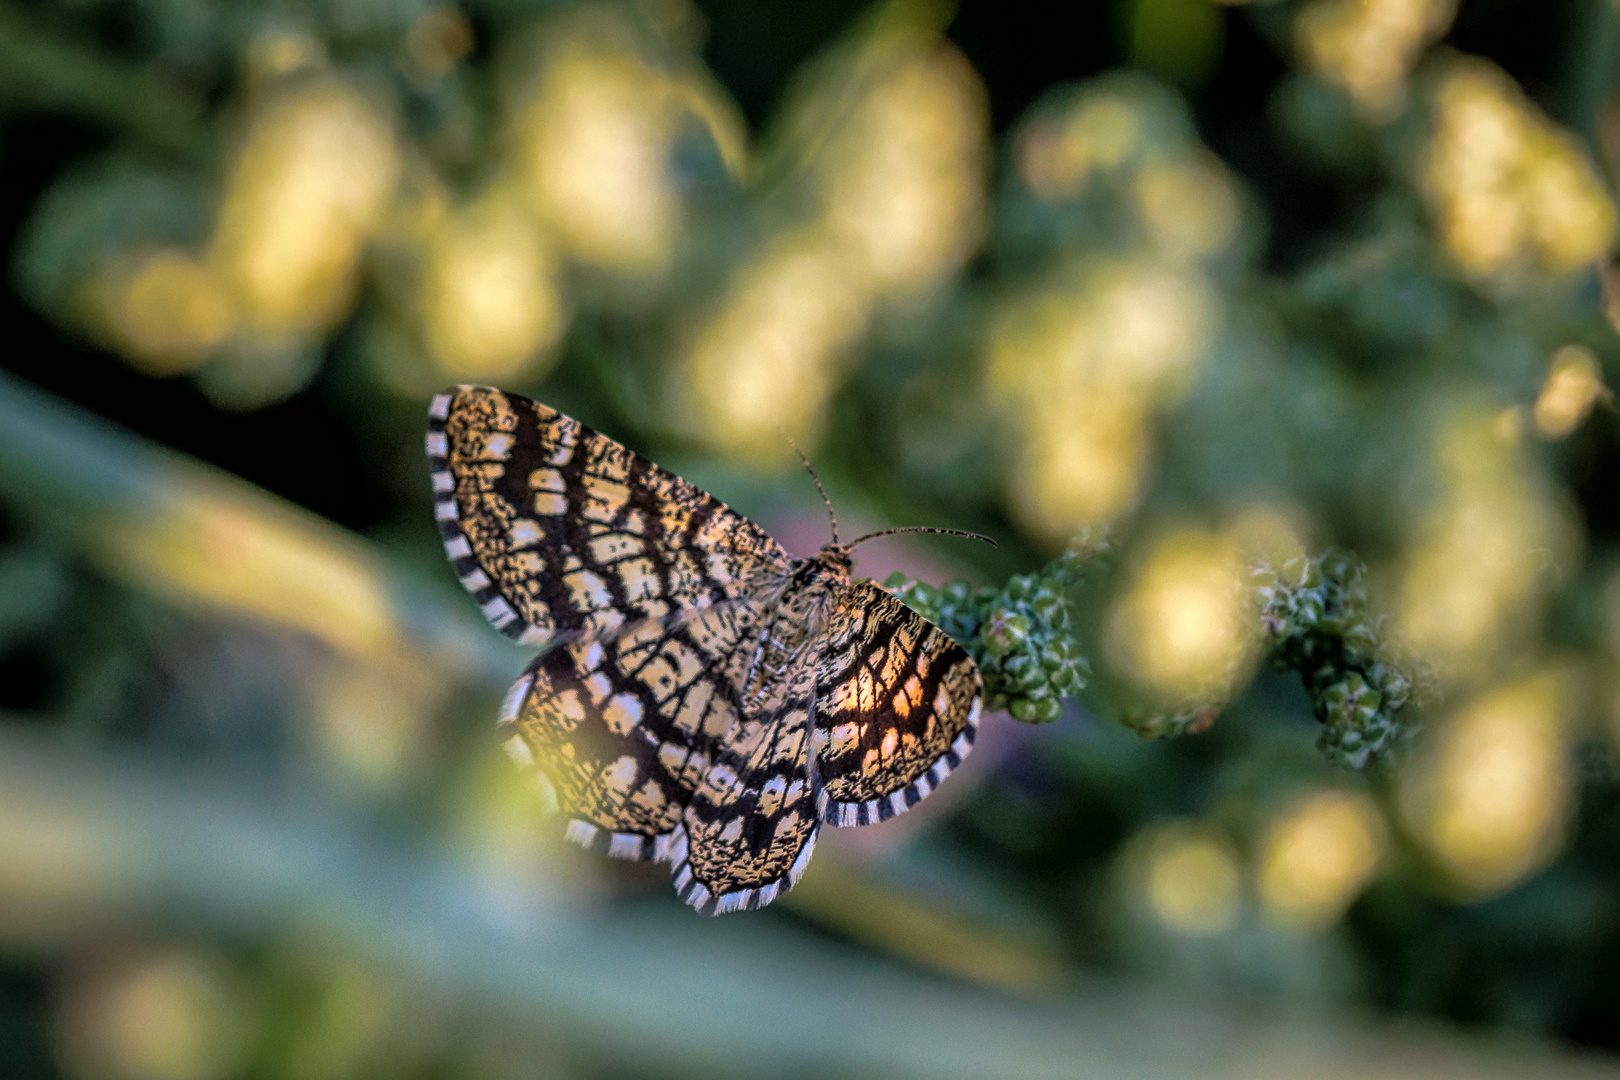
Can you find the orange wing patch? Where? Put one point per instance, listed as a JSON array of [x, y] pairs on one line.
[[901, 709]]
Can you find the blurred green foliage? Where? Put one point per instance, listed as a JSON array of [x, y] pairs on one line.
[[1275, 360]]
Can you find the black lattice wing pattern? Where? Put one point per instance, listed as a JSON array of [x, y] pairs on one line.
[[562, 534], [703, 699], [624, 728], [897, 708], [750, 828]]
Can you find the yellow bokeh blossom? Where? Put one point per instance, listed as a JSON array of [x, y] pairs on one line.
[[1369, 47], [594, 124], [1182, 629], [903, 179], [1491, 795], [1318, 855], [770, 355], [169, 1015], [1058, 153], [1476, 573], [308, 188], [1508, 185], [489, 300], [1574, 385], [1079, 368], [165, 310], [1190, 879], [895, 203]]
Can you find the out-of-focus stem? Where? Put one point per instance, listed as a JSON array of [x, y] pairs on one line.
[[172, 525], [663, 990]]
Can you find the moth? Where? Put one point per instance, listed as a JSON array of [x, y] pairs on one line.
[[701, 697]]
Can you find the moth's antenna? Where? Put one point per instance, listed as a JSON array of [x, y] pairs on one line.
[[922, 529], [811, 469]]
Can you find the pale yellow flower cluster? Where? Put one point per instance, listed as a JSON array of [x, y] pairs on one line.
[[1479, 567], [895, 185], [315, 181], [1369, 47], [308, 189], [1311, 858], [1081, 362], [1513, 191]]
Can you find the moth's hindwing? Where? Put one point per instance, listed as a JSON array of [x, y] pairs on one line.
[[750, 827], [625, 728]]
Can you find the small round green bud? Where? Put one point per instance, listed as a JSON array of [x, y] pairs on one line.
[[1068, 679], [1020, 586], [1050, 606], [1040, 691], [1060, 651], [1360, 639], [1048, 710], [1004, 632], [1338, 566], [1023, 670]]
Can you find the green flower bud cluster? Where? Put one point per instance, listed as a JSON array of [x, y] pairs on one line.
[[1314, 612], [1018, 634]]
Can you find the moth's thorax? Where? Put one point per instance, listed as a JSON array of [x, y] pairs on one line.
[[814, 585]]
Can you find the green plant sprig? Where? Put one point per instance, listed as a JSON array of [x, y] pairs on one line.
[[1311, 613], [1020, 635], [1315, 618]]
